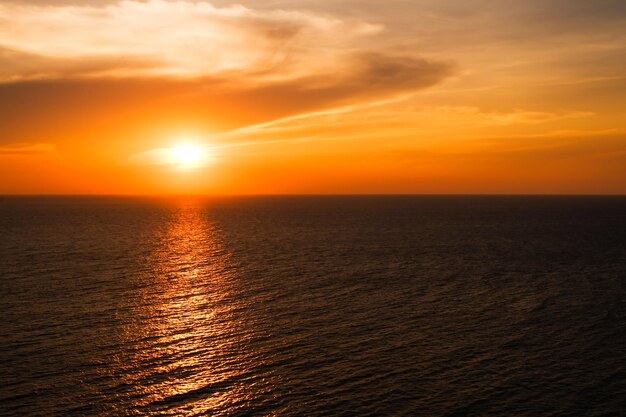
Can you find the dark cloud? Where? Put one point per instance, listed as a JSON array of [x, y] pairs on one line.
[[450, 24], [84, 106], [534, 19], [372, 76]]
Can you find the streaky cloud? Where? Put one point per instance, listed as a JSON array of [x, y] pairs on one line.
[[169, 38], [226, 104], [26, 149]]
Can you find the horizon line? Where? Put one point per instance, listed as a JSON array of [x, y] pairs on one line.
[[319, 195]]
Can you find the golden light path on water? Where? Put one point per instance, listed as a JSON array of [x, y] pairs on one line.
[[191, 355]]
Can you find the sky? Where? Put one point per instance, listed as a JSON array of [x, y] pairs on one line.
[[313, 97]]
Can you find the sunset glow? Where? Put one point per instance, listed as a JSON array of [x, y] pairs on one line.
[[312, 97]]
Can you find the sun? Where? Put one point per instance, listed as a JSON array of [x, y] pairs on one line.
[[181, 155], [187, 155]]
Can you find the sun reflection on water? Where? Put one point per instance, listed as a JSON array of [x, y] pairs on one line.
[[189, 332]]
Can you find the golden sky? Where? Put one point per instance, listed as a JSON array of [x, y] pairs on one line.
[[312, 96]]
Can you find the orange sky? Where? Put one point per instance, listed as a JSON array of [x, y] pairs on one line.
[[304, 96]]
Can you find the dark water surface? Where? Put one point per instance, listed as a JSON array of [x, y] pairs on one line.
[[308, 306]]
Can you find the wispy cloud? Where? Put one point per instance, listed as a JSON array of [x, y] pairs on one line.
[[171, 38], [381, 118], [26, 149], [225, 102]]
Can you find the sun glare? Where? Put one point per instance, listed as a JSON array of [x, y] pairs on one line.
[[188, 156]]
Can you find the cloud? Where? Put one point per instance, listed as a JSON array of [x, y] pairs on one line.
[[26, 149], [19, 66], [368, 76], [95, 104], [386, 119], [168, 38], [473, 116], [87, 69]]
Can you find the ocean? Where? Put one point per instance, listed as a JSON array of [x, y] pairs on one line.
[[313, 306]]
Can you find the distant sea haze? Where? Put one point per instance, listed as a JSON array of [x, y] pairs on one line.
[[313, 306]]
